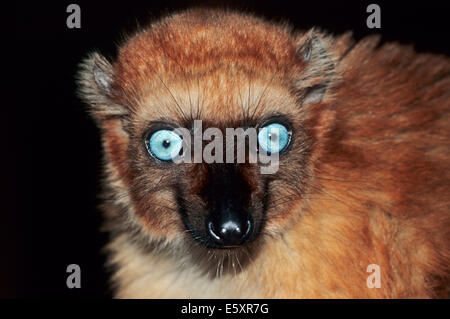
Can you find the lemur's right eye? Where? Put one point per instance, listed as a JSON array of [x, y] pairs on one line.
[[164, 144]]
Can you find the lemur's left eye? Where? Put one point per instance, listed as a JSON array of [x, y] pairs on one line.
[[274, 137], [165, 145]]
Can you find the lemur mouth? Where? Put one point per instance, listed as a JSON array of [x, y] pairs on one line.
[[225, 251]]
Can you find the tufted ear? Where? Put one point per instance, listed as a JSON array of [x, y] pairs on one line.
[[95, 80], [319, 67]]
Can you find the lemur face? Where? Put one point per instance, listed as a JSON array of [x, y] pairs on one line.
[[180, 75], [220, 204]]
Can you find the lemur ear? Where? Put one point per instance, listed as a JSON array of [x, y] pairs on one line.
[[95, 80], [319, 67]]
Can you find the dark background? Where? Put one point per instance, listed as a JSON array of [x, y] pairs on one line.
[[53, 153]]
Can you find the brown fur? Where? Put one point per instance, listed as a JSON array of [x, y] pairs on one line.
[[366, 181]]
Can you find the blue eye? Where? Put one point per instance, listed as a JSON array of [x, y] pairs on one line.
[[165, 145], [274, 138]]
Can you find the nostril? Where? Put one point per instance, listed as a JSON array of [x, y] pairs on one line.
[[213, 233], [248, 228]]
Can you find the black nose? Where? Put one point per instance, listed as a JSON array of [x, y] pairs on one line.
[[229, 228]]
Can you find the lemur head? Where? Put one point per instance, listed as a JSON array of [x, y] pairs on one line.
[[226, 70]]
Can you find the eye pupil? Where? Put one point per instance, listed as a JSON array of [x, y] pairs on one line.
[[165, 145], [273, 137]]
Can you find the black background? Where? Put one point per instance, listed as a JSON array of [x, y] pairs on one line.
[[53, 150]]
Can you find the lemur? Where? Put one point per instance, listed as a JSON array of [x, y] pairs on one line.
[[363, 134]]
